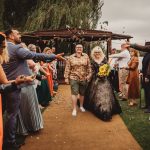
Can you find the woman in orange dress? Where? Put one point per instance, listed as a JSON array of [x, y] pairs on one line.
[[49, 69], [133, 78]]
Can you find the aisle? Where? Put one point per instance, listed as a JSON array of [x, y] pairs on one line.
[[84, 132]]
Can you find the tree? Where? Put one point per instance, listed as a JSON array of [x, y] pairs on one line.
[[31, 15], [16, 12], [54, 14], [1, 13]]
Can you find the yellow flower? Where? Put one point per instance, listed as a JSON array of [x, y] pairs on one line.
[[105, 65], [104, 70]]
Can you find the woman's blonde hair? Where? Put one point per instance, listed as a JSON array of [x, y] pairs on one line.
[[97, 49], [31, 46], [46, 49], [4, 58]]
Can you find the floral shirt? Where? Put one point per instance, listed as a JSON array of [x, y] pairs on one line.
[[78, 68]]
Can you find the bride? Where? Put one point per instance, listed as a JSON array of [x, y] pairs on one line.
[[99, 97]]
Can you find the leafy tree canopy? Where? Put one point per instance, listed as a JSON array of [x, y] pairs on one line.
[[31, 15]]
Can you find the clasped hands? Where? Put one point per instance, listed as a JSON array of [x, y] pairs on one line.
[[24, 79]]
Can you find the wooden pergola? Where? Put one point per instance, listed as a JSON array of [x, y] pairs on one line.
[[71, 36], [76, 35]]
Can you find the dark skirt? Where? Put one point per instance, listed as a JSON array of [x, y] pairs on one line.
[[100, 99], [43, 93]]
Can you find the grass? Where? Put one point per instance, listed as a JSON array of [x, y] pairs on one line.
[[137, 122]]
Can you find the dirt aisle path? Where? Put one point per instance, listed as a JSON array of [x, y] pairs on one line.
[[84, 132]]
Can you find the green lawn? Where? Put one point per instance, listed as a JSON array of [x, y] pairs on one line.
[[138, 123]]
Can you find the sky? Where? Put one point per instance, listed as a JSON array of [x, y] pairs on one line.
[[129, 16]]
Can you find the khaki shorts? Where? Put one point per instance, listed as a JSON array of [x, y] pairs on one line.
[[78, 87]]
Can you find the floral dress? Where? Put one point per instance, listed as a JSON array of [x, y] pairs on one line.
[[99, 97]]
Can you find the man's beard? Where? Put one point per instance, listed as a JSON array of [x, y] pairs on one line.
[[18, 41]]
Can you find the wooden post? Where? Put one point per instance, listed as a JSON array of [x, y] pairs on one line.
[[109, 44]]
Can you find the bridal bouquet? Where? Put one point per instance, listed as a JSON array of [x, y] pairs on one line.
[[104, 70]]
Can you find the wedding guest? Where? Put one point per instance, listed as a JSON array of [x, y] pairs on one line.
[[47, 50], [78, 73], [35, 67], [7, 86], [17, 65], [53, 49], [114, 78], [32, 47], [43, 90], [29, 106], [47, 66], [123, 57], [99, 97], [145, 72], [53, 67], [54, 70], [133, 78]]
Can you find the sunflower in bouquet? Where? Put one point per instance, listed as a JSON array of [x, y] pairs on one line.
[[104, 70]]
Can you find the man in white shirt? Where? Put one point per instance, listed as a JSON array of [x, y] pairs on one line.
[[123, 57]]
